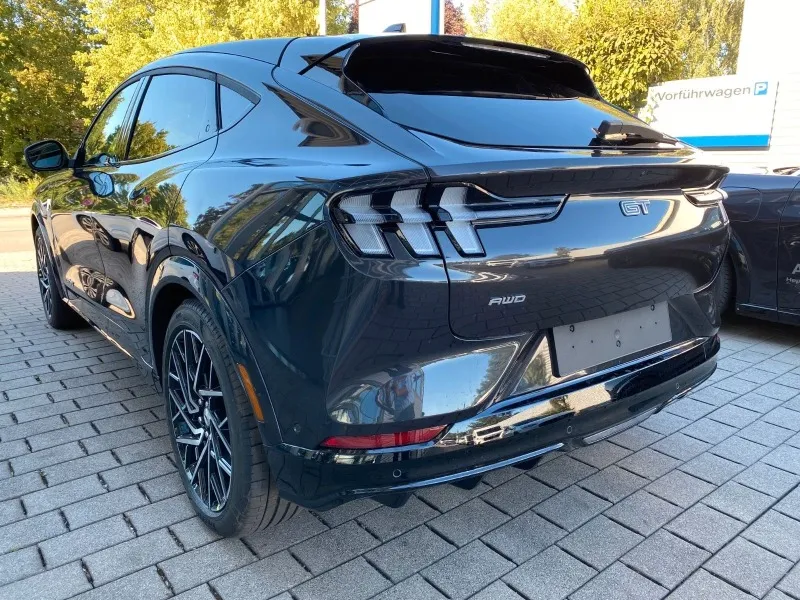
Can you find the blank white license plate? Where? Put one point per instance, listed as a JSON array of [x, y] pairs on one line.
[[583, 345]]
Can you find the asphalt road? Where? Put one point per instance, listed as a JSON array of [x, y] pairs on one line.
[[15, 230]]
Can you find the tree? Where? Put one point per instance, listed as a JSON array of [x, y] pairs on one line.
[[352, 25], [454, 23], [479, 19], [541, 23], [39, 84], [709, 32], [628, 46], [131, 33], [337, 20]]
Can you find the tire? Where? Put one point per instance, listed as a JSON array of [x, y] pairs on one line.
[[252, 502], [724, 291], [58, 313]]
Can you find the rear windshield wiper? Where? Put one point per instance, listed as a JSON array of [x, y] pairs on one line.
[[617, 132]]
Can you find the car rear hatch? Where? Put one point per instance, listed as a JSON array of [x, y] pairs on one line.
[[550, 206]]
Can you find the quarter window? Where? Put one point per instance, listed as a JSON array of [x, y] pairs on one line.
[[104, 136], [232, 106], [177, 111]]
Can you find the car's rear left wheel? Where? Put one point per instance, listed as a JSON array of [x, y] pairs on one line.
[[57, 312], [215, 437]]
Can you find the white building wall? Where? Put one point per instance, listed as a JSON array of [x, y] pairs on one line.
[[769, 37], [784, 147], [769, 48], [376, 15]]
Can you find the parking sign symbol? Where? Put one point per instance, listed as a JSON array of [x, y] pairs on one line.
[[761, 88]]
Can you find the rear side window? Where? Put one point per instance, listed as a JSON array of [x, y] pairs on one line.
[[232, 106], [480, 93], [177, 111]]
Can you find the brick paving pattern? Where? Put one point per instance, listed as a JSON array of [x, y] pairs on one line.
[[700, 501]]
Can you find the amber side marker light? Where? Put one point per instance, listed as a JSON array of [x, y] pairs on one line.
[[382, 440], [251, 392]]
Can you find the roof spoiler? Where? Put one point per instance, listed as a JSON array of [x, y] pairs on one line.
[[446, 40]]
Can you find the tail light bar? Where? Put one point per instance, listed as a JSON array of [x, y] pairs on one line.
[[706, 197], [365, 218]]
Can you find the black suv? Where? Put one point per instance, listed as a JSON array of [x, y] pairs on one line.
[[357, 266]]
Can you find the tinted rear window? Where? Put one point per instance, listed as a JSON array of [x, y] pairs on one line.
[[479, 93], [501, 121]]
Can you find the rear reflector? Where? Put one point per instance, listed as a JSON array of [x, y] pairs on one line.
[[251, 393], [383, 440]]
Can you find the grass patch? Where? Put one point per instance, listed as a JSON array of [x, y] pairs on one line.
[[17, 192]]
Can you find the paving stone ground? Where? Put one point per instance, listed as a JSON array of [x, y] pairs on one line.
[[699, 502]]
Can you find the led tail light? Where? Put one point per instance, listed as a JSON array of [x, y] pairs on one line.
[[363, 229], [457, 209], [414, 222], [706, 197], [383, 440]]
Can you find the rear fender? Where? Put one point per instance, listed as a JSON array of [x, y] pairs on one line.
[[183, 271]]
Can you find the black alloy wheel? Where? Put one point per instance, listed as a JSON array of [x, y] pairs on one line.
[[43, 275], [215, 437], [199, 420], [57, 312]]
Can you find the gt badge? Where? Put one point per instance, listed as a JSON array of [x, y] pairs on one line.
[[634, 208]]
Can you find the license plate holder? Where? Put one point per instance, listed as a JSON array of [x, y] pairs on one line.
[[580, 346]]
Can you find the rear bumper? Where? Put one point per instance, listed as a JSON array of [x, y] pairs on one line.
[[575, 413]]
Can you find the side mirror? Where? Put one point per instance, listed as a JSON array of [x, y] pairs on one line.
[[48, 155]]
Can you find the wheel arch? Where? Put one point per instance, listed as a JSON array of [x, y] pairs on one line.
[[177, 279]]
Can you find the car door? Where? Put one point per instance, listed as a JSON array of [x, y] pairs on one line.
[[172, 131], [74, 204]]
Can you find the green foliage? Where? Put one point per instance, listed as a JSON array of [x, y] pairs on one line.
[[479, 19], [40, 93], [338, 15], [131, 33], [541, 23], [17, 192], [710, 31], [628, 45]]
